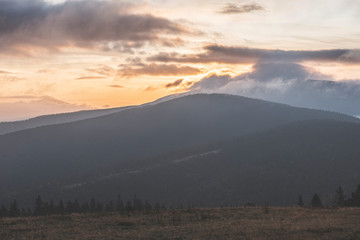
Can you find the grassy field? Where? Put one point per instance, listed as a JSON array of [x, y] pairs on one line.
[[225, 223]]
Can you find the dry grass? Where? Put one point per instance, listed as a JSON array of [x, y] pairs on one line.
[[227, 223]]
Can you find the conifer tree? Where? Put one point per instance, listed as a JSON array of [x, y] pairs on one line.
[[339, 198], [300, 201], [38, 210], [85, 207], [147, 206], [76, 207], [3, 212], [119, 207], [99, 207], [60, 209], [69, 207], [92, 205], [14, 209], [51, 209], [316, 201], [355, 197], [128, 207]]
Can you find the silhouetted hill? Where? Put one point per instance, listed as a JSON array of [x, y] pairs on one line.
[[8, 127], [55, 159]]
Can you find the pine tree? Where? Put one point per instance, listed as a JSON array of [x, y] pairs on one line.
[[137, 204], [99, 207], [76, 207], [69, 207], [355, 197], [38, 210], [51, 209], [300, 201], [316, 201], [109, 207], [128, 207], [157, 207], [14, 209], [339, 198], [147, 206], [92, 205], [3, 212], [46, 209], [85, 207], [60, 209], [119, 207]]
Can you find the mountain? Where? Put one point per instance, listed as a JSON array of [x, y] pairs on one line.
[[54, 160], [9, 127]]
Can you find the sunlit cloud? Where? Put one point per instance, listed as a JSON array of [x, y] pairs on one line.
[[244, 55], [89, 78], [116, 86], [232, 8], [154, 69]]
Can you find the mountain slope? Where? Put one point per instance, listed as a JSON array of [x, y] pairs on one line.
[[275, 166], [69, 152]]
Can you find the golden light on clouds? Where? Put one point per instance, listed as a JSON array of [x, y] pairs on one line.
[[115, 53]]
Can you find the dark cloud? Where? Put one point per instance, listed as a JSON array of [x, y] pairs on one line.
[[243, 55], [288, 83], [232, 8], [267, 71], [174, 84], [154, 69], [107, 25]]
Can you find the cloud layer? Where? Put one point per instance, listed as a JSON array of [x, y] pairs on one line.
[[288, 83], [107, 25], [243, 55], [232, 8]]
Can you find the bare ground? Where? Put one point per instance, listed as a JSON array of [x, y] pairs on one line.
[[217, 223]]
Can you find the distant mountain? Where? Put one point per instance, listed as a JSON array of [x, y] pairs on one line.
[[56, 159], [25, 107], [8, 127]]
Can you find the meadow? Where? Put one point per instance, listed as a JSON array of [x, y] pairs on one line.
[[215, 223]]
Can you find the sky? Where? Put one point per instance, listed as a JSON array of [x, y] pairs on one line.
[[59, 56]]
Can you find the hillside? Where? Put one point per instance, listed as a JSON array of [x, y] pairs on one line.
[[71, 158]]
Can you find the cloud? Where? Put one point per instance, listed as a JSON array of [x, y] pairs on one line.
[[5, 72], [288, 83], [87, 24], [232, 8], [103, 70], [243, 55], [154, 69], [89, 78], [150, 88], [174, 84], [116, 86], [212, 82]]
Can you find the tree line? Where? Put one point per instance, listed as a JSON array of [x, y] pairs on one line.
[[340, 199], [42, 208]]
